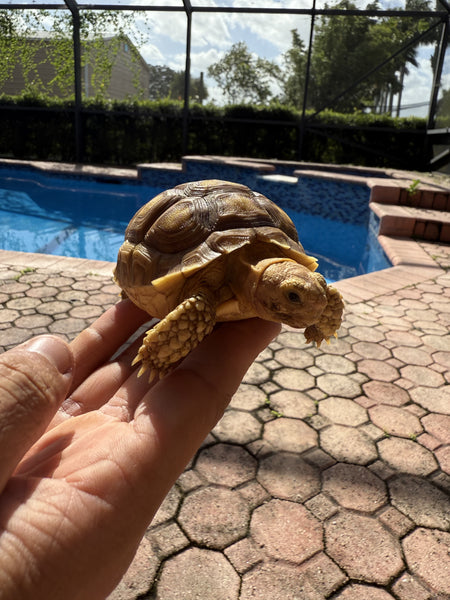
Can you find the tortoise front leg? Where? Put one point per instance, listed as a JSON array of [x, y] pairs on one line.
[[330, 319], [176, 335]]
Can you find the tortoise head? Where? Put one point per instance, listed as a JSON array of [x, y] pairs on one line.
[[288, 292]]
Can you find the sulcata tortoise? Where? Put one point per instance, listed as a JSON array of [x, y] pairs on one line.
[[210, 251]]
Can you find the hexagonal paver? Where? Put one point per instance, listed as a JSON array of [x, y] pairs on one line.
[[412, 356], [290, 435], [357, 591], [248, 397], [366, 334], [433, 399], [140, 574], [292, 379], [286, 531], [238, 427], [381, 392], [347, 444], [289, 477], [371, 350], [338, 385], [343, 411], [294, 357], [226, 464], [407, 456], [331, 363], [427, 554], [214, 517], [422, 376], [363, 547], [378, 370], [278, 582], [198, 573], [355, 487], [421, 501], [395, 421], [292, 404]]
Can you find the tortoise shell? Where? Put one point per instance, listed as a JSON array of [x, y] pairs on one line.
[[184, 229]]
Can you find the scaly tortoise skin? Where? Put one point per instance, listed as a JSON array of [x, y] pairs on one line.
[[210, 251]]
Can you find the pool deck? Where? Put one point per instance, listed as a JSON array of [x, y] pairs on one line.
[[329, 474]]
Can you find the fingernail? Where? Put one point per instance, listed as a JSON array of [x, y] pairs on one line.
[[54, 349]]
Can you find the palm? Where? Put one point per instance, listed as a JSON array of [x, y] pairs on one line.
[[80, 500]]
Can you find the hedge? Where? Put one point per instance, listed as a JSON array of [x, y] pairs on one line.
[[126, 133]]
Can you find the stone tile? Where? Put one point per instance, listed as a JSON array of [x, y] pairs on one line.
[[437, 342], [386, 393], [257, 374], [189, 480], [395, 421], [226, 464], [254, 493], [292, 404], [54, 307], [422, 376], [378, 370], [347, 444], [214, 517], [427, 555], [237, 427], [355, 487], [396, 521], [343, 411], [32, 321], [243, 555], [407, 587], [321, 507], [357, 591], [23, 303], [169, 506], [289, 477], [432, 399], [404, 338], [323, 573], [140, 574], [286, 531], [294, 357], [363, 548], [443, 457], [407, 456], [366, 334], [199, 573], [292, 379], [167, 539], [248, 397], [290, 435], [277, 581], [330, 363], [338, 385], [371, 350], [421, 501]]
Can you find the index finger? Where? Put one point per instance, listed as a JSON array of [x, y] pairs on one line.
[[96, 344]]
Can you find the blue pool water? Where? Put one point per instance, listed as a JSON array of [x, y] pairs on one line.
[[87, 219]]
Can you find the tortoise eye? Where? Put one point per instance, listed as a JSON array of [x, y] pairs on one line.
[[294, 297]]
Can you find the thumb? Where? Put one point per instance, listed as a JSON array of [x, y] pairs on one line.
[[34, 379]]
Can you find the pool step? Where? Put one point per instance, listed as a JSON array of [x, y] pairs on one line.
[[418, 223], [415, 195]]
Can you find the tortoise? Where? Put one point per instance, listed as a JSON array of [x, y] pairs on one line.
[[210, 251]]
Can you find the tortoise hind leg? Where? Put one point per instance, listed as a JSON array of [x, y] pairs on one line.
[[176, 335]]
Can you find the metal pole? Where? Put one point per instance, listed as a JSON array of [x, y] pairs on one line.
[[305, 91], [443, 43], [187, 75], [73, 7]]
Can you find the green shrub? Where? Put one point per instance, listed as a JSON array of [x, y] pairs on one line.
[[126, 133]]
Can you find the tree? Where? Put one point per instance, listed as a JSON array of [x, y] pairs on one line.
[[161, 78], [244, 77], [293, 81], [17, 28]]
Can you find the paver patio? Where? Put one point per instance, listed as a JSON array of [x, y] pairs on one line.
[[329, 474]]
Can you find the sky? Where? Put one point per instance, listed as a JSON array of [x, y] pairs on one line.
[[267, 36]]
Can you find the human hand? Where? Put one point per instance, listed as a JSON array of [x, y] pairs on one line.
[[89, 450]]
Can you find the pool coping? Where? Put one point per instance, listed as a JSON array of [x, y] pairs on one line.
[[411, 263]]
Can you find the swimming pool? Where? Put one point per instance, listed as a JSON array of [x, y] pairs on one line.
[[86, 218]]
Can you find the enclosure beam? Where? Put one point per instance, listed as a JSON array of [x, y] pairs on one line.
[[187, 75], [73, 7], [443, 43]]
